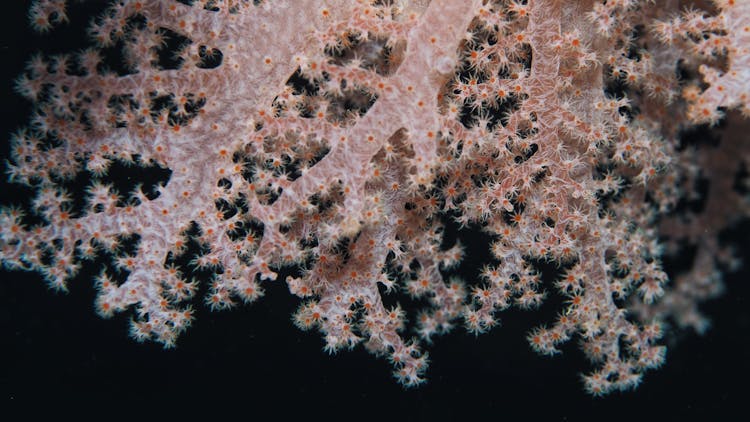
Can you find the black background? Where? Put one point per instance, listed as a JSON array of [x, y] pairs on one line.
[[253, 361]]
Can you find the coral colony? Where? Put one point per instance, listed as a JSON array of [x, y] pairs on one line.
[[334, 141]]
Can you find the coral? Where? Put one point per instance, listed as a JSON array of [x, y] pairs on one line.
[[335, 142]]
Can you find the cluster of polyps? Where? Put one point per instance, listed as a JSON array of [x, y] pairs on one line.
[[333, 140]]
